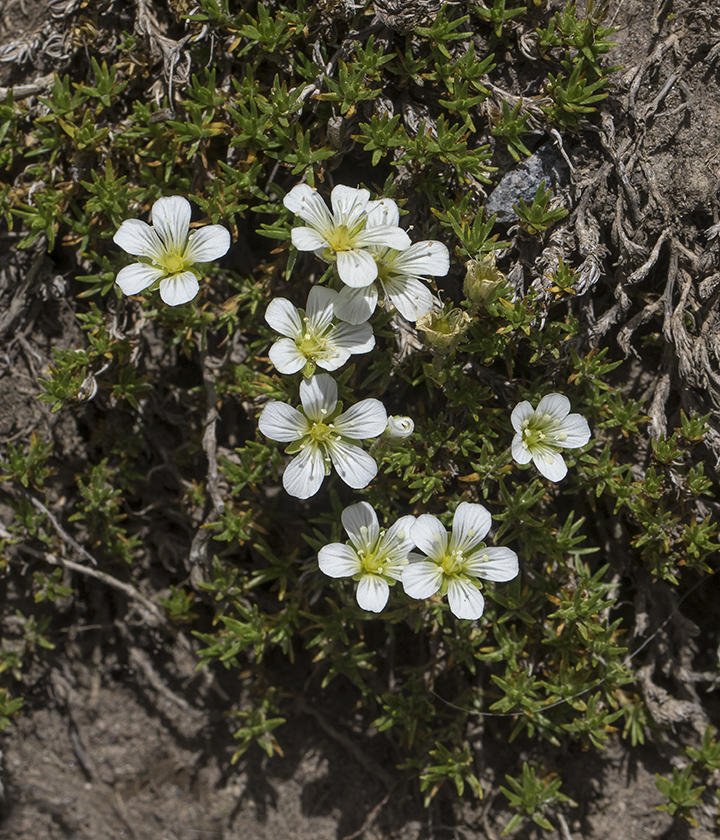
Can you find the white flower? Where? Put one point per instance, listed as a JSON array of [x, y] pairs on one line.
[[542, 433], [311, 338], [374, 558], [168, 250], [322, 439], [456, 561], [400, 427], [399, 273], [342, 235]]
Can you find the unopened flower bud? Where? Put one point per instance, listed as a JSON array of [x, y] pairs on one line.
[[444, 330], [399, 427], [481, 281]]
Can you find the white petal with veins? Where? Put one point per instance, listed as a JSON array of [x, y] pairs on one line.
[[208, 243], [284, 318], [318, 396], [366, 419], [171, 219], [372, 593], [361, 523], [179, 288], [338, 560], [465, 600], [356, 268], [421, 579], [305, 474], [283, 423], [354, 466], [138, 276]]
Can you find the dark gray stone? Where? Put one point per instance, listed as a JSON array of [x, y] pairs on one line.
[[522, 182]]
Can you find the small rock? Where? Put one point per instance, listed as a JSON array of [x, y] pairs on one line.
[[522, 182]]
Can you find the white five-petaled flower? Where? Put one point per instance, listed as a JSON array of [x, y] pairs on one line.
[[540, 434], [399, 272], [323, 438], [455, 562], [342, 236], [168, 251], [311, 338], [400, 427], [373, 557]]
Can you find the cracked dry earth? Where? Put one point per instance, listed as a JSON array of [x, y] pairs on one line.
[[126, 739]]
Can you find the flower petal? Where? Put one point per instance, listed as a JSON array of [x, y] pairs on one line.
[[422, 258], [356, 305], [386, 236], [398, 540], [422, 579], [366, 419], [280, 421], [338, 560], [409, 296], [521, 412], [495, 563], [180, 288], [355, 338], [139, 239], [332, 358], [307, 239], [382, 212], [556, 405], [138, 276], [399, 427], [354, 466], [430, 535], [304, 201], [356, 268], [318, 396], [305, 474], [519, 452], [208, 243], [372, 593], [471, 523], [284, 318], [286, 357], [577, 430], [361, 523], [319, 308], [466, 600], [394, 566], [171, 219], [349, 205], [550, 464]]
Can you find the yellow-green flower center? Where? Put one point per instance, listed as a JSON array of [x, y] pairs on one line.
[[542, 431], [533, 437], [371, 561], [342, 239], [311, 345], [321, 432], [452, 562], [385, 263], [174, 262]]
